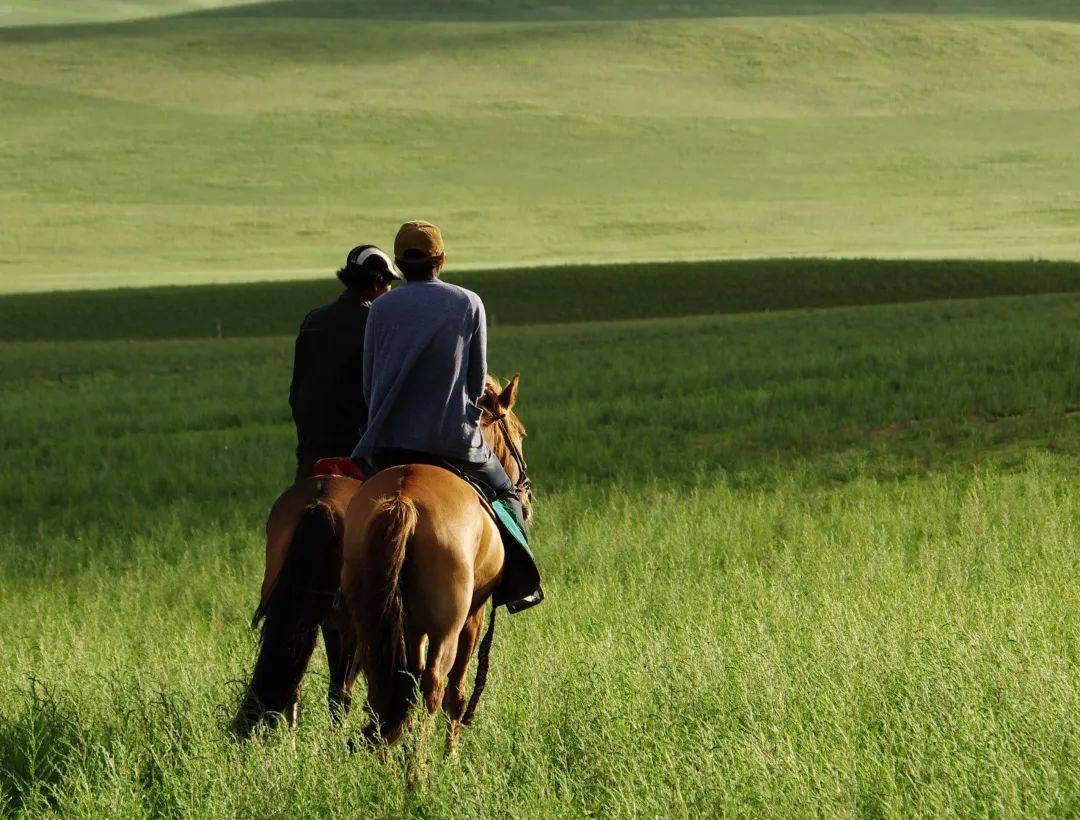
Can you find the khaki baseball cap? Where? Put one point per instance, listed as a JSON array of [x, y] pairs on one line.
[[418, 241]]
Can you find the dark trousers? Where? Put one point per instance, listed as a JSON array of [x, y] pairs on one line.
[[304, 469]]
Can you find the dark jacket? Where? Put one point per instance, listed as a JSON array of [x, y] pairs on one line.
[[327, 392]]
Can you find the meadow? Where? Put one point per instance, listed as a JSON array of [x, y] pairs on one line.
[[229, 142], [793, 290], [798, 561]]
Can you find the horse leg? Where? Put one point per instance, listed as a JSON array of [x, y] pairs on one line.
[[441, 650], [340, 643], [284, 652], [454, 699], [291, 613]]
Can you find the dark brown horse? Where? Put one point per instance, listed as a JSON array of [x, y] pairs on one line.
[[300, 597], [421, 557]]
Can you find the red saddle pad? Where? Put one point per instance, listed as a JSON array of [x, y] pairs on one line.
[[339, 466]]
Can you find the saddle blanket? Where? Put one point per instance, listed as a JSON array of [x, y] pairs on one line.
[[339, 466]]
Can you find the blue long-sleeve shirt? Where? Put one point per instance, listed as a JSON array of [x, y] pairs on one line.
[[425, 364]]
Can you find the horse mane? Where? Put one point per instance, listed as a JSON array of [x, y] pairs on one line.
[[489, 403]]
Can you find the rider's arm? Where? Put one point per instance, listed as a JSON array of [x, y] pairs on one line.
[[297, 373], [305, 360], [369, 358], [478, 354]]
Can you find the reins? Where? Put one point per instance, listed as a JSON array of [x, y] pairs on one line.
[[523, 484], [483, 655], [482, 659]]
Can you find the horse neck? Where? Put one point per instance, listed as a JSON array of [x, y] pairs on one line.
[[496, 440]]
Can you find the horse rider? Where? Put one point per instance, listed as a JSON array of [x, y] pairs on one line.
[[425, 367], [327, 392]]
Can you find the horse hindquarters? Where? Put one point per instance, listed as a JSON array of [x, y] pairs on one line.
[[420, 557], [302, 597]]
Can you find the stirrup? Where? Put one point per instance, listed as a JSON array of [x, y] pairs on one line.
[[521, 604]]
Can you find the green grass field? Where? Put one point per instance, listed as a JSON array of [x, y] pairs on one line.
[[261, 141], [799, 561], [804, 429]]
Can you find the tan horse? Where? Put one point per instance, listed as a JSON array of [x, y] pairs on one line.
[[421, 558], [299, 597]]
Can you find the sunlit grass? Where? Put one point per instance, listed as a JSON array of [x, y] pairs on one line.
[[798, 562]]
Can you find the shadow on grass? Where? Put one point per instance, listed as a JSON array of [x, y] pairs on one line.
[[495, 11], [555, 295]]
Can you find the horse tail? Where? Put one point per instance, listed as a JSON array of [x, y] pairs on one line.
[[482, 660], [302, 597], [381, 615]]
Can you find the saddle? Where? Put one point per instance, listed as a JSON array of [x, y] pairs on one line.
[[520, 576], [339, 466]]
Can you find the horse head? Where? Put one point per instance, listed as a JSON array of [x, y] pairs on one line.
[[504, 434]]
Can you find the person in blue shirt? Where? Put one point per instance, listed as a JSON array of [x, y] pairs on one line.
[[425, 367]]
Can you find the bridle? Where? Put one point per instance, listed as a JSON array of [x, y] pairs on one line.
[[523, 485]]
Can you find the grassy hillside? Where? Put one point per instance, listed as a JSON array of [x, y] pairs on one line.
[[806, 561], [66, 12], [262, 141]]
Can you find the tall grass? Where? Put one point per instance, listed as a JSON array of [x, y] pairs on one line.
[[881, 648], [813, 561]]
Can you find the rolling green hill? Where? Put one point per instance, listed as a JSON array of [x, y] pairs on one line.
[[260, 141], [67, 12]]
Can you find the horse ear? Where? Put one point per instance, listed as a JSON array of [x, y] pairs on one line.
[[509, 393]]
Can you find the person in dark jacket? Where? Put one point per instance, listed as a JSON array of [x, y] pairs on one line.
[[327, 392]]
